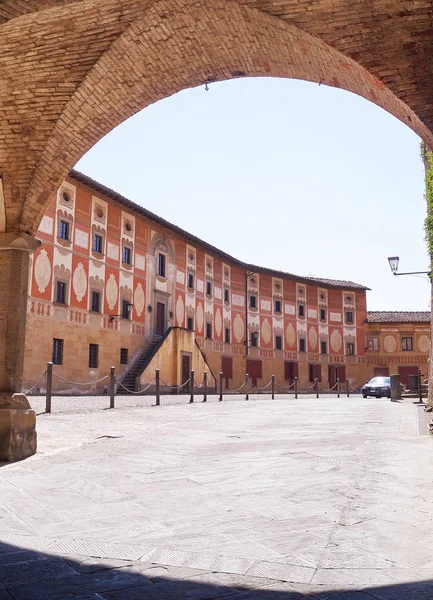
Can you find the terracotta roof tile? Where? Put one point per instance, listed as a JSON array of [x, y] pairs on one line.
[[389, 316], [102, 189]]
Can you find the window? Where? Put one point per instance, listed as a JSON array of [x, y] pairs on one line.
[[60, 292], [208, 288], [97, 243], [123, 356], [96, 302], [323, 314], [350, 348], [278, 342], [64, 230], [255, 339], [226, 295], [349, 317], [209, 331], [161, 265], [57, 358], [373, 344], [323, 348], [253, 301], [93, 356], [227, 335], [407, 343], [301, 345], [277, 306], [127, 255], [190, 281], [126, 309], [301, 310], [190, 324]]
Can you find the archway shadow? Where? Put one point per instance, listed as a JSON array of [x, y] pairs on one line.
[[27, 574]]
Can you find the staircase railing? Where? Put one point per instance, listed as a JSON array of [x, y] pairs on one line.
[[139, 354]]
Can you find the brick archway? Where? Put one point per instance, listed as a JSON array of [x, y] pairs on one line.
[[149, 51]]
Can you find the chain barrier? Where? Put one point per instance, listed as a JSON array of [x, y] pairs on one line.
[[175, 387], [259, 389], [139, 391], [80, 383], [307, 388], [35, 385], [330, 389], [287, 387], [235, 391]]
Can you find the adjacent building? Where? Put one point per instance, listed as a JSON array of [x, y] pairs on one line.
[[398, 342]]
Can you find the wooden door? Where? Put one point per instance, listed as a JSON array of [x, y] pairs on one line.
[[381, 372], [186, 370], [404, 374], [254, 370], [160, 319], [227, 369], [332, 375]]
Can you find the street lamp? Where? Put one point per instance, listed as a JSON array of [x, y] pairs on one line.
[[393, 263], [128, 306]]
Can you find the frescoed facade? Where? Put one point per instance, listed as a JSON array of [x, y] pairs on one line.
[[110, 277]]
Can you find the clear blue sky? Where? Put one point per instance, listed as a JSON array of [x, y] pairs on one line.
[[281, 173]]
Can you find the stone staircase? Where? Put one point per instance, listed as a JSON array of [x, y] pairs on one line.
[[139, 365]]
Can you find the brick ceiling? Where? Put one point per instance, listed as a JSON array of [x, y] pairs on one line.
[[71, 70]]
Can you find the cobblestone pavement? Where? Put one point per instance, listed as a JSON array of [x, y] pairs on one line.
[[260, 500]]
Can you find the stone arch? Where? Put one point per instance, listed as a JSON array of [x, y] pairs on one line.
[[161, 242], [176, 44]]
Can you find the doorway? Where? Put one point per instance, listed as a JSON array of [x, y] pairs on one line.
[[160, 319], [186, 371]]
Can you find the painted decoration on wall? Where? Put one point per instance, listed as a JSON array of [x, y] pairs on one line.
[[238, 329], [111, 291], [266, 331], [81, 239], [79, 282], [42, 271], [424, 343], [336, 340], [139, 300], [199, 316], [46, 225], [390, 343], [312, 337], [140, 262], [180, 310], [290, 335], [218, 322]]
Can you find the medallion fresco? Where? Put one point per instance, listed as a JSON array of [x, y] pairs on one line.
[[42, 271]]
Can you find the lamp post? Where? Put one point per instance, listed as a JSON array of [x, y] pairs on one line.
[[393, 263], [128, 306]]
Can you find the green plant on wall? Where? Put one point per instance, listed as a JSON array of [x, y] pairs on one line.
[[427, 156]]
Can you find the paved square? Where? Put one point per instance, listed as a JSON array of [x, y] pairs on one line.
[[261, 499]]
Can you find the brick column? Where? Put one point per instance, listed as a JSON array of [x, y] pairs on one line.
[[17, 420]]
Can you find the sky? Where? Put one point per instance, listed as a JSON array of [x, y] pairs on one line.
[[281, 173]]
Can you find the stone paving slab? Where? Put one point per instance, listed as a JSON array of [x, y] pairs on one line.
[[283, 499]]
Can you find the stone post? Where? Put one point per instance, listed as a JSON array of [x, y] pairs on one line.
[[395, 388], [17, 419]]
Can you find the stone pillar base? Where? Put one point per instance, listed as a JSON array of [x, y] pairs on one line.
[[17, 428]]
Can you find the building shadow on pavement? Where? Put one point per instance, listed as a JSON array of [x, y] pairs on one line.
[[32, 575]]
